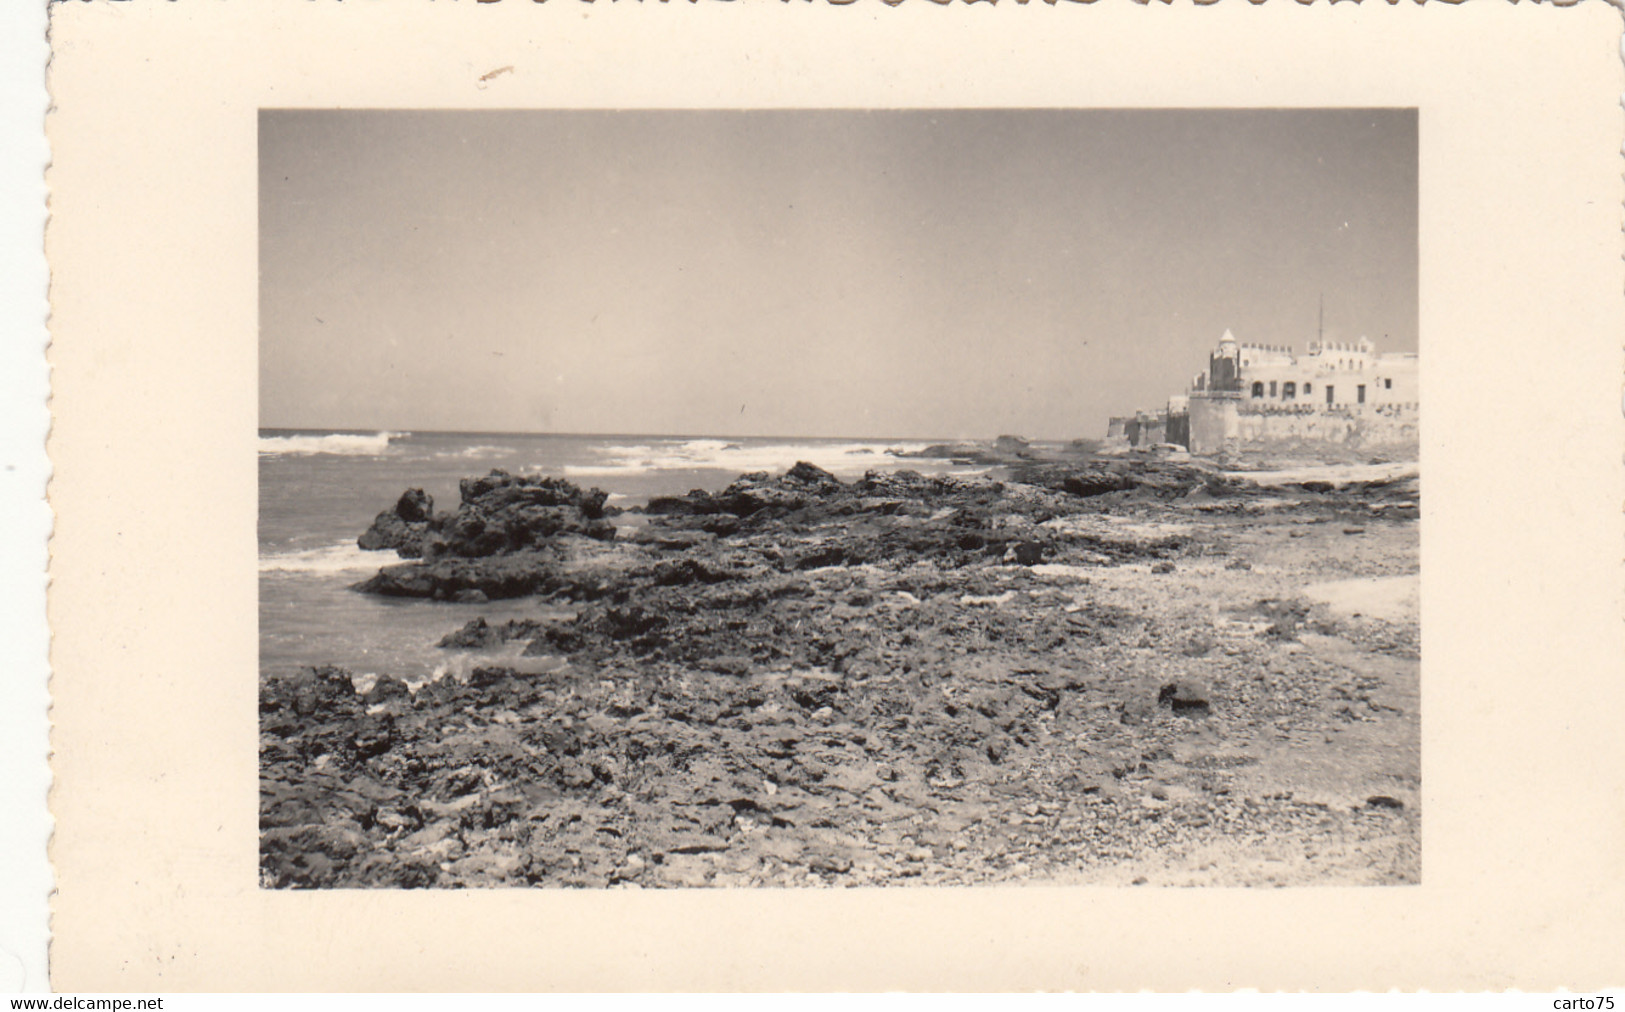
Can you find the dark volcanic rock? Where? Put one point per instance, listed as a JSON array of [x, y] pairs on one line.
[[1186, 698], [748, 496], [1147, 479], [503, 521], [1084, 480], [756, 493], [500, 513], [504, 576], [311, 691], [669, 538], [1098, 483], [415, 506], [818, 558], [387, 688], [800, 678], [804, 473], [683, 572], [721, 525], [699, 502], [374, 736], [402, 528], [478, 635]]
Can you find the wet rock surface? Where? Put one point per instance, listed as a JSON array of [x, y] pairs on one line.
[[894, 680]]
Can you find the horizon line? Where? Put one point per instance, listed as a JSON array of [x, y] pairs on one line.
[[412, 431]]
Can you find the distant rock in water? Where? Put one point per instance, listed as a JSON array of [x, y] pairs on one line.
[[1013, 446], [500, 542], [971, 453], [499, 513]]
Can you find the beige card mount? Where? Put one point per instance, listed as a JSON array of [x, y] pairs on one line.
[[159, 320]]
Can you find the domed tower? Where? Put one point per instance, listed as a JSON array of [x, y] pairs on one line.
[[1224, 366]]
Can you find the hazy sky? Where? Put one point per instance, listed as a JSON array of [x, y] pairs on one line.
[[932, 273]]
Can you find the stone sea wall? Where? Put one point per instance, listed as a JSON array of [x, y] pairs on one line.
[[1218, 424]]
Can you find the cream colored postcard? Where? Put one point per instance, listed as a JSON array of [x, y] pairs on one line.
[[571, 496]]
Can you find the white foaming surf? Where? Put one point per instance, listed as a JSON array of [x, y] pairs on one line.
[[348, 444], [463, 663], [344, 558], [474, 453], [845, 459]]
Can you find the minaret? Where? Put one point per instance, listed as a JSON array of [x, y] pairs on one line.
[[1224, 366]]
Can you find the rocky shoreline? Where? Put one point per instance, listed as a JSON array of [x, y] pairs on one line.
[[1078, 670]]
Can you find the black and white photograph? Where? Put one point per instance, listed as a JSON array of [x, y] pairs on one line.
[[812, 498], [806, 498]]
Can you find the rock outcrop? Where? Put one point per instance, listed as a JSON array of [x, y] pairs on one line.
[[402, 528], [503, 540], [901, 678], [500, 513]]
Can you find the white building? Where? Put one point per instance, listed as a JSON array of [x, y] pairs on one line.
[[1329, 375], [1270, 396]]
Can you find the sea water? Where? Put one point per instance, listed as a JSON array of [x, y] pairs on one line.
[[320, 490]]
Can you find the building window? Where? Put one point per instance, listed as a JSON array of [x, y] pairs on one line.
[[1289, 390], [1329, 395], [1359, 393], [1272, 388], [1258, 389], [1387, 384], [1308, 388]]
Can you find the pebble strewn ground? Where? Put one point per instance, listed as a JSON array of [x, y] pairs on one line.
[[1101, 673]]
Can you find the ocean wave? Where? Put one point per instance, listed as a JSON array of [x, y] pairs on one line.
[[717, 454], [344, 558], [349, 444], [475, 452]]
